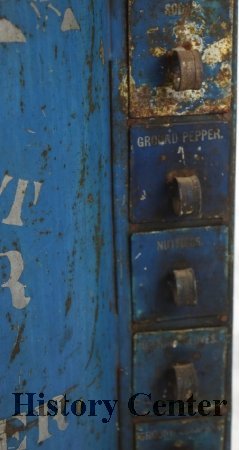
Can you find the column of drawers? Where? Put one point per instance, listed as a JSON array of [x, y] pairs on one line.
[[180, 214]]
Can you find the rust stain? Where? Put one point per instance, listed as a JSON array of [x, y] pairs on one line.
[[157, 51], [223, 76], [189, 32], [90, 198], [21, 75], [164, 101], [102, 52], [215, 106], [89, 61], [124, 92], [218, 51], [68, 304], [152, 30], [16, 348], [11, 429]]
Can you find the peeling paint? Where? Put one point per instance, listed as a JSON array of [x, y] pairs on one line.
[[154, 33], [164, 101], [152, 30], [158, 51], [223, 76], [190, 31], [218, 51], [124, 91]]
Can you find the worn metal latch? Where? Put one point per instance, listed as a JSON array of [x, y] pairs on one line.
[[185, 69], [183, 286], [184, 381], [186, 195]]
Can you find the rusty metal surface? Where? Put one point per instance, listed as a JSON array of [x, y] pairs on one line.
[[185, 69], [155, 29], [183, 286]]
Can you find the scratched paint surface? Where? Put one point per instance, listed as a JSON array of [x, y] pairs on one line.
[[200, 149], [185, 434], [155, 255], [55, 219], [158, 27]]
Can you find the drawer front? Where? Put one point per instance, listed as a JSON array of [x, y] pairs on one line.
[[156, 28], [166, 161], [159, 356], [181, 435], [180, 273]]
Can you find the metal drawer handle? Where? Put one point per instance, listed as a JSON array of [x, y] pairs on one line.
[[183, 286], [181, 446], [186, 69], [184, 381], [186, 195]]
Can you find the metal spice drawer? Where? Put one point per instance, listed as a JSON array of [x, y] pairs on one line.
[[180, 172], [180, 273], [156, 28], [160, 359]]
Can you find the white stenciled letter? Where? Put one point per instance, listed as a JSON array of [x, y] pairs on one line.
[[3, 435], [16, 435], [5, 181], [23, 445], [44, 418], [17, 289], [14, 216]]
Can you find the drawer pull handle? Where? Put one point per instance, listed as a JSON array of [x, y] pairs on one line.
[[184, 381], [183, 286], [186, 195], [181, 446], [186, 69]]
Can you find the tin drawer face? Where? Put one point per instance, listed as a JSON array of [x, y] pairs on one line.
[[181, 435], [180, 273], [176, 365], [179, 172], [155, 30]]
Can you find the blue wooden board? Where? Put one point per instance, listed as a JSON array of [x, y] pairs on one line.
[[186, 434], [56, 265], [159, 351], [202, 147], [157, 27], [155, 255]]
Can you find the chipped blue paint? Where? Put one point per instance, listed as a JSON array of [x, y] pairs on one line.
[[54, 115]]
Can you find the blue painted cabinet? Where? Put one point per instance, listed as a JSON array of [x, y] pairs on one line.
[[173, 81], [56, 244], [117, 144]]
